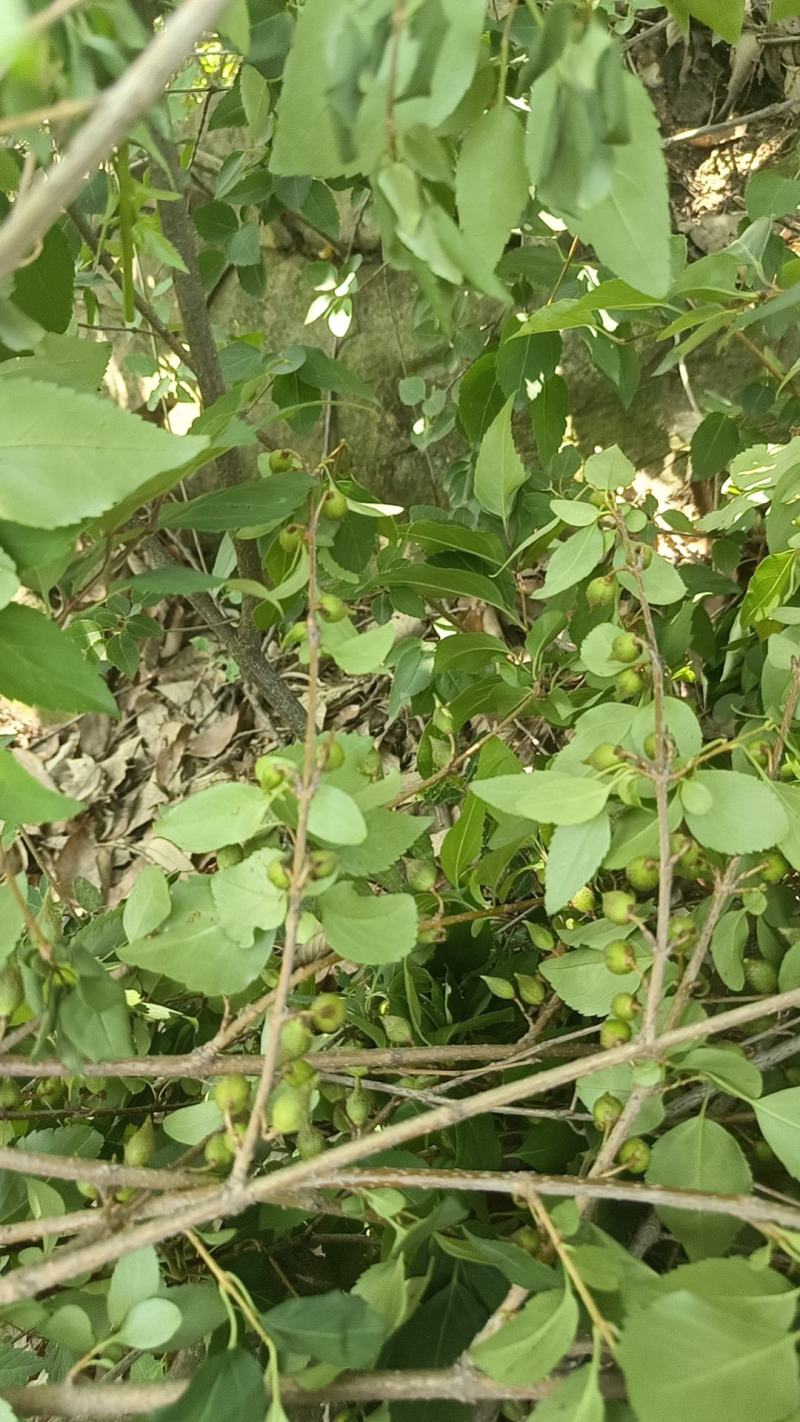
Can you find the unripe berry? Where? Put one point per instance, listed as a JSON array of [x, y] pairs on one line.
[[583, 901], [87, 1189], [328, 1012], [625, 647], [332, 608], [643, 873], [219, 1151], [269, 773], [291, 537], [323, 863], [634, 1154], [617, 906], [760, 975], [140, 1147], [278, 874], [625, 1007], [296, 634], [614, 1033], [398, 1030], [527, 1238], [421, 875], [289, 1110], [282, 460], [295, 1039], [604, 757], [607, 1110], [600, 592], [310, 1143], [232, 1095], [651, 746], [334, 504], [228, 855], [12, 992], [682, 929], [628, 684], [330, 756], [358, 1106], [10, 1095], [760, 752], [619, 957], [772, 868], [301, 1073]]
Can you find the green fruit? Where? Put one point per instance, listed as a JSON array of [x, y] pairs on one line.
[[527, 1238], [330, 756], [604, 757], [229, 855], [682, 929], [87, 1189], [617, 905], [614, 1033], [772, 869], [282, 460], [583, 901], [600, 592], [619, 957], [310, 1143], [295, 1039], [127, 1193], [269, 773], [398, 1030], [296, 634], [625, 647], [289, 1110], [219, 1151], [232, 1095], [323, 863], [12, 992], [332, 608], [651, 746], [291, 537], [51, 1090], [358, 1106], [607, 1110], [628, 684], [531, 990], [634, 1154], [643, 554], [760, 752], [301, 1073], [760, 975], [643, 873], [10, 1095], [140, 1147], [278, 874], [328, 1012], [625, 1007], [421, 875], [764, 1152], [334, 504]]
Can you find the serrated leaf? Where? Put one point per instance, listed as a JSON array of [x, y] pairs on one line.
[[244, 897], [499, 472], [227, 1387], [221, 815], [574, 856], [526, 1349], [368, 928], [745, 814], [192, 946], [389, 835], [700, 1154], [609, 469], [269, 501], [778, 1117], [335, 817], [573, 560], [357, 653], [581, 979], [335, 1327]]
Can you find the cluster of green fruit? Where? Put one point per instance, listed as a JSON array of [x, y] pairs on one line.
[[626, 647]]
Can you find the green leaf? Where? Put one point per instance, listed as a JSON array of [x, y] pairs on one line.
[[575, 854], [573, 560], [43, 289], [136, 1277], [70, 1326], [729, 1070], [491, 181], [9, 582], [686, 1358], [335, 817], [745, 814], [66, 455], [337, 1328], [227, 1387], [772, 583], [23, 801], [699, 1154], [193, 947], [576, 1398], [784, 9], [727, 948], [390, 835], [546, 796], [725, 17], [661, 582], [269, 501], [192, 1124], [714, 443], [778, 1117], [442, 583], [17, 1365], [462, 843], [630, 229], [148, 903], [306, 134], [150, 1324], [528, 1347], [41, 666], [244, 897], [368, 928], [357, 653], [223, 814], [582, 980], [609, 469], [499, 472], [384, 1287]]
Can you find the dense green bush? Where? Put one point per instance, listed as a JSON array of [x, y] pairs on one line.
[[459, 1069]]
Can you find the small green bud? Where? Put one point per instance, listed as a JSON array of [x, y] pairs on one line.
[[398, 1030], [323, 863], [532, 991], [358, 1106], [330, 756], [773, 867], [527, 1237], [583, 901], [310, 1143]]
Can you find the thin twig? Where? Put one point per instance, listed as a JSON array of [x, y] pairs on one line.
[[706, 130]]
